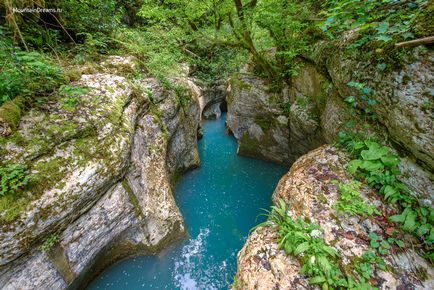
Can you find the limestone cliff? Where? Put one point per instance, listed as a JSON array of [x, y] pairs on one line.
[[310, 111], [101, 178]]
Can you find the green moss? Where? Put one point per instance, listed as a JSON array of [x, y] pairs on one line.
[[238, 83], [302, 102], [423, 22], [422, 273], [263, 122], [48, 174], [11, 111], [133, 199], [248, 144], [73, 74], [11, 207]]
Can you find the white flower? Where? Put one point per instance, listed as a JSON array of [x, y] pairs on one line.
[[315, 233], [312, 260]]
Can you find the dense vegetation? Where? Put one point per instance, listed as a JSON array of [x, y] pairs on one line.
[[215, 38]]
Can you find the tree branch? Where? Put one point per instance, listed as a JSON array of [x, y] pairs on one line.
[[425, 40]]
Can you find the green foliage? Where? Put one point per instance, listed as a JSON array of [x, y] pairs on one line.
[[375, 164], [350, 201], [50, 242], [383, 245], [362, 102], [216, 62], [286, 23], [368, 263], [380, 168], [90, 15], [380, 21], [304, 241], [13, 178], [25, 73], [158, 48]]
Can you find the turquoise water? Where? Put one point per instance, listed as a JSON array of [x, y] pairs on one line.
[[221, 201]]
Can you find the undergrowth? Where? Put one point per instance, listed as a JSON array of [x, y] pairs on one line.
[[319, 261]]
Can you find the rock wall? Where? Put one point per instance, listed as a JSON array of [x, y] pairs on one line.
[[309, 188], [311, 110], [101, 179], [257, 119], [314, 111], [214, 96], [404, 97]]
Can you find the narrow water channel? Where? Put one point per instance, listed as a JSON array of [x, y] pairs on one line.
[[220, 201]]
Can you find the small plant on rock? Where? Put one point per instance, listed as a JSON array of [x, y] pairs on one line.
[[50, 242], [13, 177], [351, 202]]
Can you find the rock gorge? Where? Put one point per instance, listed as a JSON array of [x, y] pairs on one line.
[[103, 178]]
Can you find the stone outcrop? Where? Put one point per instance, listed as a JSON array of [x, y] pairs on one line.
[[404, 97], [101, 167], [257, 119], [311, 110], [310, 189], [214, 96]]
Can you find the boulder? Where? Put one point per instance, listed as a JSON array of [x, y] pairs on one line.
[[310, 190]]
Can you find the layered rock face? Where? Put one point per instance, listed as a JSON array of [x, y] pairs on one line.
[[257, 120], [101, 173], [214, 96], [404, 98], [282, 126], [309, 187]]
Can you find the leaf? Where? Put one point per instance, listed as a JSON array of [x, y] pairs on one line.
[[381, 66], [408, 35], [354, 165], [372, 102], [366, 90], [324, 264], [374, 244], [317, 280], [331, 251], [350, 99], [383, 37], [383, 27], [375, 151], [385, 244], [422, 230], [372, 165], [399, 218], [303, 247], [389, 191], [410, 221], [390, 160], [400, 243]]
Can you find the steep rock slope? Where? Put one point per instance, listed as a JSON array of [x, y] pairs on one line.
[[309, 187], [101, 172], [282, 126]]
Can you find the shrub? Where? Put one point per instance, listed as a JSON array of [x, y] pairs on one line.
[[25, 73]]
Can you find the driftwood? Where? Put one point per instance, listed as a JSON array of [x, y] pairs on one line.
[[425, 40]]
